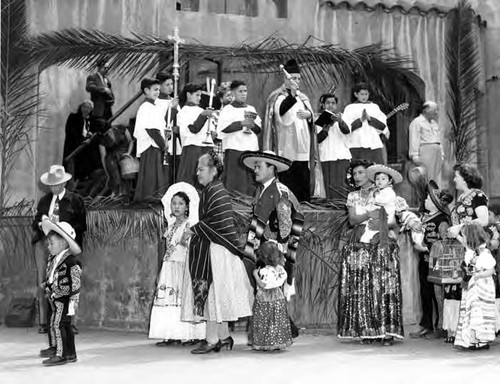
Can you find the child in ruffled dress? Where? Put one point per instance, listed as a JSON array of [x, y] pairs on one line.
[[181, 211], [271, 324]]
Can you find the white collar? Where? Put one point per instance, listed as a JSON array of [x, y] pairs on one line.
[[61, 195], [267, 184]]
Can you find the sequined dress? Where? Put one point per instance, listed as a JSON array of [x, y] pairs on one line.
[[271, 325], [370, 302]]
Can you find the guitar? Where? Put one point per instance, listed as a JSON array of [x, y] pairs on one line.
[[399, 108]]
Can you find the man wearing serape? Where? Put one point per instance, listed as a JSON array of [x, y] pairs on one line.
[[289, 131], [238, 128], [276, 213]]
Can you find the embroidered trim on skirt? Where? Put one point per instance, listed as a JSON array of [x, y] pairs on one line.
[[165, 320], [477, 313], [370, 302], [271, 324]]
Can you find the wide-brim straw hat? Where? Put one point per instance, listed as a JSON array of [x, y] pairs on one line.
[[65, 230], [250, 157], [194, 202], [372, 170], [55, 176], [436, 197]]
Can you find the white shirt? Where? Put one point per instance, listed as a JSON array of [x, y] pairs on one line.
[[53, 203], [149, 116], [164, 105], [187, 116], [294, 139], [54, 266], [239, 140], [422, 131], [335, 146], [267, 184], [366, 136]]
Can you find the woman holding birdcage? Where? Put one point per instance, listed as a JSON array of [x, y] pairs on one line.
[[471, 206]]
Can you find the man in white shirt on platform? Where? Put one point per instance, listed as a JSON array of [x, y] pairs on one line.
[[425, 141]]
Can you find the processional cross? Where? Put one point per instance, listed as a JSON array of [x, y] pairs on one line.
[[175, 72]]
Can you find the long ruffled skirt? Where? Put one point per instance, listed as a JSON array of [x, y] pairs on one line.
[[370, 303], [230, 295], [477, 313], [165, 320]]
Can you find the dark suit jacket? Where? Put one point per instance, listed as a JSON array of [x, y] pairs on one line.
[[88, 159], [102, 100], [267, 219], [71, 210]]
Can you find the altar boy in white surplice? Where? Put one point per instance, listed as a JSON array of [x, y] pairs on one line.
[[367, 122]]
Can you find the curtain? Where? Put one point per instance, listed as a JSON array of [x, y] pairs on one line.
[[415, 34]]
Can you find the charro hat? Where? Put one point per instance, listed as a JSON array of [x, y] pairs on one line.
[[194, 201], [372, 170], [440, 198], [55, 176], [65, 230], [250, 157]]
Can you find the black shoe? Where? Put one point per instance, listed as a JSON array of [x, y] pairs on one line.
[[421, 333], [166, 343], [71, 358], [43, 329], [48, 352], [54, 360], [190, 342], [75, 329], [228, 342], [207, 348], [387, 341], [479, 347]]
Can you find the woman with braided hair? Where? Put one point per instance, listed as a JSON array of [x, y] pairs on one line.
[[217, 288]]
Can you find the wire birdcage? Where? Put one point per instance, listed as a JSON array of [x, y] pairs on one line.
[[445, 259]]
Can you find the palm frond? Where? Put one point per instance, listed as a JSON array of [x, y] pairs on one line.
[[137, 55], [18, 89], [463, 67]]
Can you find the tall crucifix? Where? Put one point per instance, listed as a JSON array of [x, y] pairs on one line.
[[175, 74]]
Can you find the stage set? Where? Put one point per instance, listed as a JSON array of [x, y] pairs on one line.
[[123, 245], [123, 249]]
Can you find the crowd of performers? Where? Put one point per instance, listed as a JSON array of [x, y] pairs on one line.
[[208, 278]]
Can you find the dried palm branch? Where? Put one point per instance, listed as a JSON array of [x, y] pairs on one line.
[[18, 91], [138, 55], [463, 67]]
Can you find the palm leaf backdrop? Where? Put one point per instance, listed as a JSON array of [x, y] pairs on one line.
[[463, 66], [136, 56], [18, 91]]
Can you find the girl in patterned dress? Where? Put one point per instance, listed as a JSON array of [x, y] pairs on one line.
[[476, 325], [181, 210], [271, 326]]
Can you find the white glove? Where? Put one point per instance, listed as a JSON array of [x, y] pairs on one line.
[[289, 290]]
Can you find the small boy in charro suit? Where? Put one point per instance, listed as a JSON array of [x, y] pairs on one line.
[[62, 287]]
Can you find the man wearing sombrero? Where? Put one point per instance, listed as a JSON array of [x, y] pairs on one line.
[[276, 212], [59, 205], [435, 224]]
